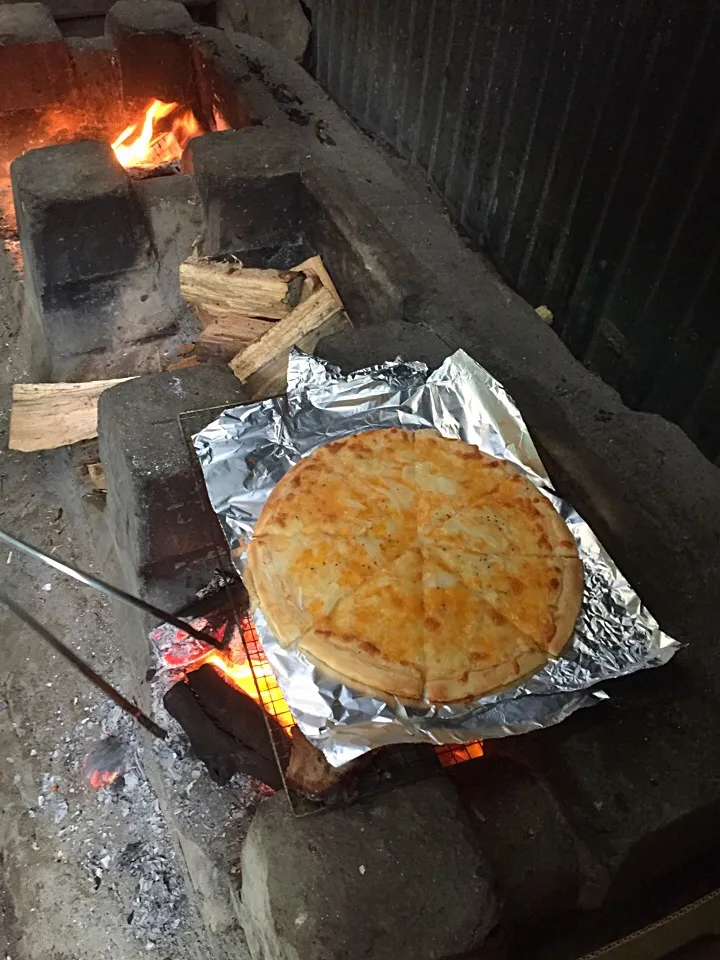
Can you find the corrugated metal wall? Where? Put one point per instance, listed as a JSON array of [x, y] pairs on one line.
[[578, 143]]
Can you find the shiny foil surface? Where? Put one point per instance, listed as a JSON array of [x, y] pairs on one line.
[[247, 450]]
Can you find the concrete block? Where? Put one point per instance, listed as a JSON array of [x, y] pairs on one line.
[[152, 38], [34, 61], [158, 511], [96, 66], [383, 280], [638, 778], [367, 346], [535, 856], [77, 216], [400, 874], [250, 187]]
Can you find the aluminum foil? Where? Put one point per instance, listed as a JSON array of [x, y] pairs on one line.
[[248, 449]]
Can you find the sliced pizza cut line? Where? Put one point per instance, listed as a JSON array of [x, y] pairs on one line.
[[540, 596], [524, 527]]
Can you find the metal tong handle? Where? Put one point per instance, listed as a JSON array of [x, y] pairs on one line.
[[111, 591], [83, 667]]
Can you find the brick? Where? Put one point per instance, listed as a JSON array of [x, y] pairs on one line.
[[152, 38], [34, 61], [159, 515], [401, 874]]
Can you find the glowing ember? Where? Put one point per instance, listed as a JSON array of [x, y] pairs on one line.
[[102, 778], [105, 762], [157, 143]]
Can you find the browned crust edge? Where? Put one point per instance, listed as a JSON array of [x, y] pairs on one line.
[[499, 676], [568, 604], [342, 663]]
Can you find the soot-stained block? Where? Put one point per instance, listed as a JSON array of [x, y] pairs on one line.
[[34, 61], [152, 38], [158, 510]]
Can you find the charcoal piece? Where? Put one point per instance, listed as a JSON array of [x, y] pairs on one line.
[[222, 754], [234, 712]]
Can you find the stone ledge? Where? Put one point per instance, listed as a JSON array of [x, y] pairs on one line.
[[400, 874]]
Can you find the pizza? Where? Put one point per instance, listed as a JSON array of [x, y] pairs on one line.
[[411, 566]]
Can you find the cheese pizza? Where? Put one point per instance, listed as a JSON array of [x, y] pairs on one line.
[[415, 567]]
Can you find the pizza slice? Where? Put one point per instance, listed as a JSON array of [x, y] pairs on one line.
[[452, 476], [513, 519], [371, 639], [302, 580], [540, 596], [469, 645], [330, 493]]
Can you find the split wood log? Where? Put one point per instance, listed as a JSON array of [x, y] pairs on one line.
[[263, 365], [270, 294], [314, 267], [235, 712], [182, 362], [49, 415], [228, 335]]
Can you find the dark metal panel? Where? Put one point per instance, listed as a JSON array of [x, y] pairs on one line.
[[578, 143]]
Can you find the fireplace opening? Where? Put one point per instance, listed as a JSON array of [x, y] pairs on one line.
[[145, 88]]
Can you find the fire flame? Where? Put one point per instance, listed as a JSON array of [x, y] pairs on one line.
[[254, 676], [152, 147], [250, 676]]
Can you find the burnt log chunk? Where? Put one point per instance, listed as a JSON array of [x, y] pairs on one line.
[[234, 712], [222, 753]]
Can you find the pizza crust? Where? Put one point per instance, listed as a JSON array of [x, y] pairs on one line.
[[568, 605], [341, 560]]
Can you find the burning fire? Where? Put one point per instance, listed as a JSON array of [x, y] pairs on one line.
[[251, 673], [251, 677], [157, 143]]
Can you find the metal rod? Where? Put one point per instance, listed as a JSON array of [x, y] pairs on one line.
[[83, 667], [116, 592]]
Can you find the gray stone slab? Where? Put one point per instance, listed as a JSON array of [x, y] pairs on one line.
[[540, 866], [158, 511], [399, 875], [367, 346], [27, 23], [381, 279]]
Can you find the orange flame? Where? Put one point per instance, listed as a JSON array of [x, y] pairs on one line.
[[152, 147], [250, 676]]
